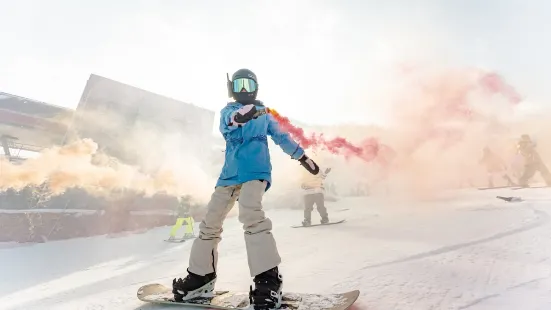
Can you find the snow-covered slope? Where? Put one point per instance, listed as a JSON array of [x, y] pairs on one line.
[[468, 250]]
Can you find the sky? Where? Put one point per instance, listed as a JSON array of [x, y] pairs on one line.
[[318, 61]]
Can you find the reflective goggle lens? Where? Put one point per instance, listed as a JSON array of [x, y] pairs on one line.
[[244, 85]]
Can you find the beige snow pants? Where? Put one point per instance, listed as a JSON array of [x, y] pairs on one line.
[[261, 247]]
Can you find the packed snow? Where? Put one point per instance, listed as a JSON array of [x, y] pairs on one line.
[[463, 250]]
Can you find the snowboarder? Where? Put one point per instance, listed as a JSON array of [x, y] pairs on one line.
[[245, 177], [495, 165], [532, 161], [184, 218], [314, 193]]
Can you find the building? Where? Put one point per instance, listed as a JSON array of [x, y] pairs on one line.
[[30, 125], [128, 122], [133, 125]]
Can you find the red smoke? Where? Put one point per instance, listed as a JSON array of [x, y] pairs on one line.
[[494, 84], [438, 101], [368, 151]]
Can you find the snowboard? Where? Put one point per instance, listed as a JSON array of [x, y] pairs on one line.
[[312, 225], [541, 186], [180, 240], [175, 240], [510, 199], [495, 187], [229, 300]]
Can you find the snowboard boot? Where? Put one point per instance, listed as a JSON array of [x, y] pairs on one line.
[[193, 286], [267, 290], [325, 220], [306, 223], [188, 236]]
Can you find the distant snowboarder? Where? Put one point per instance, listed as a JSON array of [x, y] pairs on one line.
[[184, 218], [314, 193], [532, 161], [245, 176], [495, 165]]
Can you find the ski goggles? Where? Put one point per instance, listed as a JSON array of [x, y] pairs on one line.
[[244, 85]]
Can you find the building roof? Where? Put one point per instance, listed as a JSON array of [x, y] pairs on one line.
[[30, 106], [34, 125]]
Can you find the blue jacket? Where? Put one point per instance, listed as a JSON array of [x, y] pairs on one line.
[[247, 155]]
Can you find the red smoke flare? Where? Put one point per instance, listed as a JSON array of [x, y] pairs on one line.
[[369, 150]]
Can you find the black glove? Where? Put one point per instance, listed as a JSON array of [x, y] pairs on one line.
[[309, 164], [244, 114]]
